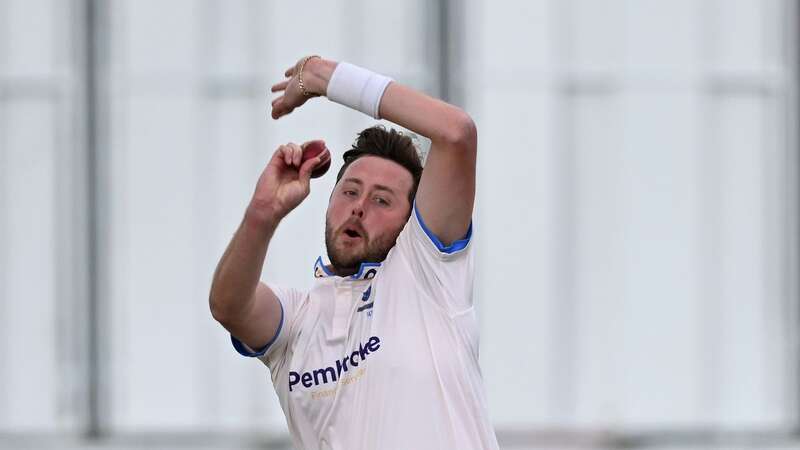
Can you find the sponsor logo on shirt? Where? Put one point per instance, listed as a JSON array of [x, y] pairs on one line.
[[333, 372]]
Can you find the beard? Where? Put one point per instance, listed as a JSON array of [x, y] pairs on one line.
[[346, 258]]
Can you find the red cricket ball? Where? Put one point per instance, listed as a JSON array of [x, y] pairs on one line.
[[314, 149]]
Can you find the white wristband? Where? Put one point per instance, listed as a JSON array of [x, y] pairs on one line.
[[357, 88]]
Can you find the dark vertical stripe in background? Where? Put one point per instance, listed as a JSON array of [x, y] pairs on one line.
[[91, 49], [451, 66], [444, 50]]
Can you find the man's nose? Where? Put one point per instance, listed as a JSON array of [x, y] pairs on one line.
[[358, 208]]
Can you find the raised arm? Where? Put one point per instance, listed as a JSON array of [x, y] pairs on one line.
[[446, 193], [239, 301]]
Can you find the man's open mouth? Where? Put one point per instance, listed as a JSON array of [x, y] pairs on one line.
[[351, 232]]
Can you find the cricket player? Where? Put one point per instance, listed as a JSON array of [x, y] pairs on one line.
[[382, 352]]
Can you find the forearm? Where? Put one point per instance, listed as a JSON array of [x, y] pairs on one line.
[[444, 124], [239, 270]]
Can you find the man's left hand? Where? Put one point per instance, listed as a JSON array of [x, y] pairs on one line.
[[315, 75]]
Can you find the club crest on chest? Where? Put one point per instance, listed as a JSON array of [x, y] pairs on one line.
[[368, 301]]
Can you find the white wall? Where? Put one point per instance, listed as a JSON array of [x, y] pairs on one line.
[[41, 219], [634, 212]]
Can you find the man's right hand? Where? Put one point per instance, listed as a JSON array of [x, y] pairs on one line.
[[239, 301], [284, 183]]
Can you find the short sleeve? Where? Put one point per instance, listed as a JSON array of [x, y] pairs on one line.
[[445, 273], [290, 300]]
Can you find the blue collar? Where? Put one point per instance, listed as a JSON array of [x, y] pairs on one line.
[[366, 271]]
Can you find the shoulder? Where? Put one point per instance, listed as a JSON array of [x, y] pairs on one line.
[[416, 240]]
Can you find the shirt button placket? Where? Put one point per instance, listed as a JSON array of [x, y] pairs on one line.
[[343, 293]]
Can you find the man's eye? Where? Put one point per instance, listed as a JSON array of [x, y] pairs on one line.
[[381, 201], [349, 193]]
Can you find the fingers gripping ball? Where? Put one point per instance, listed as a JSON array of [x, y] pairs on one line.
[[314, 149]]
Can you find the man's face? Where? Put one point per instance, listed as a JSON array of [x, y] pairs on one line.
[[368, 208]]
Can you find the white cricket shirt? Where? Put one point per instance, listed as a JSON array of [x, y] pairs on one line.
[[387, 358]]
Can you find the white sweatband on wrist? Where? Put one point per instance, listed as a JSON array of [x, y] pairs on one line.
[[357, 88]]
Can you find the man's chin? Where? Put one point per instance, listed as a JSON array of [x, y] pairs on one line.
[[350, 263], [347, 260], [350, 257]]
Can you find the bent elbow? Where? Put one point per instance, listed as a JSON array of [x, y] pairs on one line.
[[217, 310], [462, 132], [221, 310]]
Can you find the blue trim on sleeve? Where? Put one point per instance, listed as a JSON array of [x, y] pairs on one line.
[[239, 346], [452, 248]]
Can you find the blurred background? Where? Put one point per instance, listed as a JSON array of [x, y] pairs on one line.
[[636, 222]]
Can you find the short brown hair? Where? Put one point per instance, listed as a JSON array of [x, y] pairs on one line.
[[389, 144]]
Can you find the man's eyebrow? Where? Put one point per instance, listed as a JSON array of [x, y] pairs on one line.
[[378, 187]]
